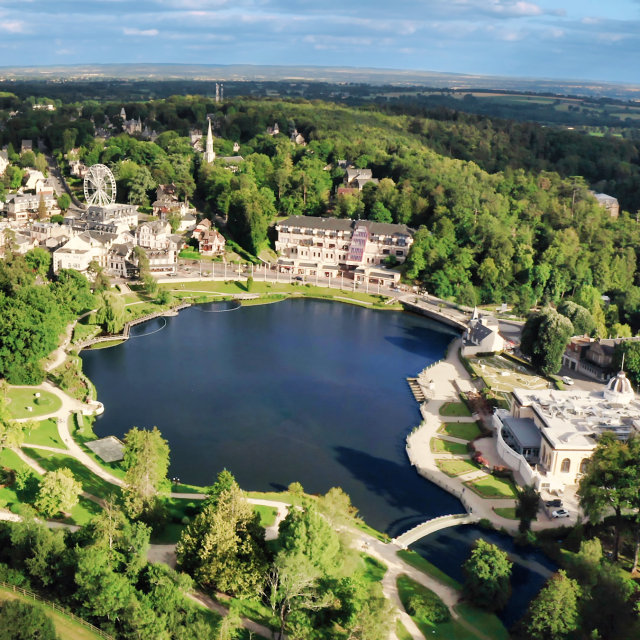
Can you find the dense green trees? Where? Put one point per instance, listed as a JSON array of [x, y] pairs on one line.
[[487, 576], [25, 621], [544, 338], [111, 311]]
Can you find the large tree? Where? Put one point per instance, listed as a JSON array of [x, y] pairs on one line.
[[224, 547], [59, 492], [553, 615], [146, 460], [544, 339], [487, 576], [582, 321], [111, 312], [610, 482]]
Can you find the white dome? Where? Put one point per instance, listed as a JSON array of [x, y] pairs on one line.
[[619, 389]]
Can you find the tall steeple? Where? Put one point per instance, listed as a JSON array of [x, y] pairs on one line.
[[209, 154]]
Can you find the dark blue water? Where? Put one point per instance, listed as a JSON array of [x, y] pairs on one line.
[[302, 390], [450, 548]]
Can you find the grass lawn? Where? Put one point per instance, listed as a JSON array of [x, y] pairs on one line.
[[444, 630], [67, 628], [46, 435], [418, 562], [230, 286], [365, 528], [507, 512], [373, 570], [457, 409], [457, 467], [487, 623], [444, 446], [492, 487], [462, 430], [91, 483], [285, 496], [10, 495], [267, 514], [106, 345], [187, 488], [23, 397], [83, 330], [401, 631]]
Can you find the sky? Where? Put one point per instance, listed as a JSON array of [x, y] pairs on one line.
[[572, 39]]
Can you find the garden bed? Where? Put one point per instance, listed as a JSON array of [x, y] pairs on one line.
[[438, 445], [453, 467]]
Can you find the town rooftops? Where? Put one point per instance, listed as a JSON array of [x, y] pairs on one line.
[[338, 224]]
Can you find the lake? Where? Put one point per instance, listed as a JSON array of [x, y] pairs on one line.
[[300, 390]]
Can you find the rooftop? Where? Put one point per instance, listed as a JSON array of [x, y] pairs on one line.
[[574, 419]]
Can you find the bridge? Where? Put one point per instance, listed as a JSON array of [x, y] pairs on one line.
[[447, 317], [127, 327], [431, 526]]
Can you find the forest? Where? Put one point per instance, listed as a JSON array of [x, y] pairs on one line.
[[501, 210]]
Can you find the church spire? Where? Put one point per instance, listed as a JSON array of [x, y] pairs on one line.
[[209, 154]]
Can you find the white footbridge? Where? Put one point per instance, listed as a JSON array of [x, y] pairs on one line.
[[431, 526]]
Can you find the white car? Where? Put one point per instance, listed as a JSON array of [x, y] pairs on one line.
[[567, 380], [560, 513]]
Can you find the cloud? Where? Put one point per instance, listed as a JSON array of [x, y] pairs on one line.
[[140, 32], [12, 26]]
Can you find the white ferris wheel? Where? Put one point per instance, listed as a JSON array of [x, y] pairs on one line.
[[99, 185]]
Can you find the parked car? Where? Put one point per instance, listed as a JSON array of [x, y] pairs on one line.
[[553, 503], [567, 380], [560, 513], [299, 278]]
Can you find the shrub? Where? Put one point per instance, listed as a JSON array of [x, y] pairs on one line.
[[471, 448], [485, 523], [502, 472], [42, 401], [428, 608]]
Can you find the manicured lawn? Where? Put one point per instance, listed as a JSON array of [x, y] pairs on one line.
[[267, 514], [457, 409], [23, 397], [285, 496], [401, 631], [492, 487], [444, 446], [462, 430], [457, 467], [487, 623], [445, 630], [507, 512], [187, 488], [10, 495], [421, 564], [46, 435], [67, 628], [365, 528], [91, 483], [83, 330], [106, 345], [373, 570], [220, 286]]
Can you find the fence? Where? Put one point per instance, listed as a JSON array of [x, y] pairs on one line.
[[56, 607]]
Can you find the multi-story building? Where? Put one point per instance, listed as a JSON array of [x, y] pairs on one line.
[[23, 207], [548, 436], [593, 358], [161, 247], [112, 218], [347, 243]]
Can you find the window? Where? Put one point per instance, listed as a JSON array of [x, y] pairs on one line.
[[399, 253], [584, 465], [566, 466]]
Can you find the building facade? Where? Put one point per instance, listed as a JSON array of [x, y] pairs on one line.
[[347, 243]]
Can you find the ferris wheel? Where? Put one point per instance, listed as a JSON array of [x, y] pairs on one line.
[[99, 185]]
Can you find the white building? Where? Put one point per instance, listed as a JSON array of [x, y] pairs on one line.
[[358, 178], [161, 246], [482, 335], [548, 436], [22, 207], [347, 243], [4, 162], [32, 177], [209, 154]]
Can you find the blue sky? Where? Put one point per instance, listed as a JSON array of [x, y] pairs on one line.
[[575, 39]]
